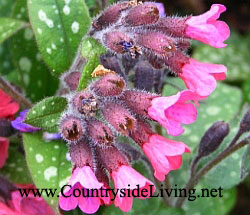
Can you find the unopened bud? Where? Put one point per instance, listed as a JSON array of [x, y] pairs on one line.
[[138, 101], [108, 85], [144, 76], [142, 15], [81, 154], [110, 15], [85, 103], [72, 80], [71, 128], [157, 42], [6, 129], [112, 158], [100, 133], [119, 117], [213, 137], [245, 122]]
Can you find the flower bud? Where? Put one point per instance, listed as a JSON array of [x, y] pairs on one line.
[[72, 80], [108, 85], [144, 76], [6, 129], [213, 137], [138, 101], [110, 15], [112, 158], [100, 133], [81, 154], [119, 117], [85, 103], [157, 42], [71, 128], [118, 41], [245, 122], [142, 15]]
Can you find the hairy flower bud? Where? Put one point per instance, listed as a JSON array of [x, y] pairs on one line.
[[142, 15], [110, 15], [245, 122], [157, 42], [112, 163], [81, 154], [72, 80], [117, 41], [109, 85], [6, 129], [144, 76], [213, 137], [99, 132], [119, 117], [85, 103], [138, 101], [71, 128]]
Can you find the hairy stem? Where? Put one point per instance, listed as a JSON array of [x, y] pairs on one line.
[[194, 180], [11, 91]]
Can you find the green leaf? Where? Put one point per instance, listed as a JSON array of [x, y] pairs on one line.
[[46, 113], [6, 7], [246, 90], [34, 76], [90, 47], [59, 27], [87, 71], [47, 163], [170, 211], [235, 56], [245, 164], [15, 168], [8, 27]]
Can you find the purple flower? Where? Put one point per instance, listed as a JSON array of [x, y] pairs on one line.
[[19, 124]]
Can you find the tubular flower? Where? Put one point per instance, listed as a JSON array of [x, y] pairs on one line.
[[207, 29]]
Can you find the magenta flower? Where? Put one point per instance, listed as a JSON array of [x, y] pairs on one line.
[[201, 77], [174, 110], [124, 177], [165, 155], [4, 146], [83, 179], [207, 29]]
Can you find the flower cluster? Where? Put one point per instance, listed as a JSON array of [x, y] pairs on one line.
[[139, 30]]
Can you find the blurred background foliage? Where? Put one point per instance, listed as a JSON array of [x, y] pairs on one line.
[[34, 78]]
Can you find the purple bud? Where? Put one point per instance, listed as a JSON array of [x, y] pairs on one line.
[[6, 129], [119, 117], [112, 158], [157, 42], [110, 15], [144, 76], [101, 173], [71, 128], [245, 122], [174, 26], [81, 154], [85, 103], [155, 61], [213, 137], [118, 41], [138, 101], [108, 85], [100, 133], [142, 15], [72, 80], [142, 133]]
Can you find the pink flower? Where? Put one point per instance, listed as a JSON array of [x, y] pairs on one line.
[[201, 77], [83, 179], [207, 29], [164, 154], [30, 205], [8, 107], [124, 177], [4, 145], [174, 110]]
